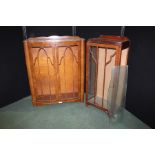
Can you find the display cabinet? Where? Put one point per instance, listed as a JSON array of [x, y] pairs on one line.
[[55, 68], [106, 72]]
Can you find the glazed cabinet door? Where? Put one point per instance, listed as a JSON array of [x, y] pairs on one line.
[[44, 72], [69, 72]]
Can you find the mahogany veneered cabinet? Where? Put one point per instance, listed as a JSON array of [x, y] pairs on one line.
[[106, 71], [55, 68]]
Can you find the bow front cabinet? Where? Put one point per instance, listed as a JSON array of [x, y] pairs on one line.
[[55, 68]]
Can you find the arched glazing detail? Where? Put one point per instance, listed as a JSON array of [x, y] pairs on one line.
[[44, 73], [68, 71]]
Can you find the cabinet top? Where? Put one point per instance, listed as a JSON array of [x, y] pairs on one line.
[[111, 40], [54, 39]]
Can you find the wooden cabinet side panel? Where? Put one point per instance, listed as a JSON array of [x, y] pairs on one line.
[[29, 71], [82, 69], [87, 71]]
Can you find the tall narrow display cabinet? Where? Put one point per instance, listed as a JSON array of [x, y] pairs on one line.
[[55, 68], [106, 72]]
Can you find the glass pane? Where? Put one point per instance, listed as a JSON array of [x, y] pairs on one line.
[[69, 76], [106, 60], [44, 73], [92, 74], [101, 62], [117, 90]]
